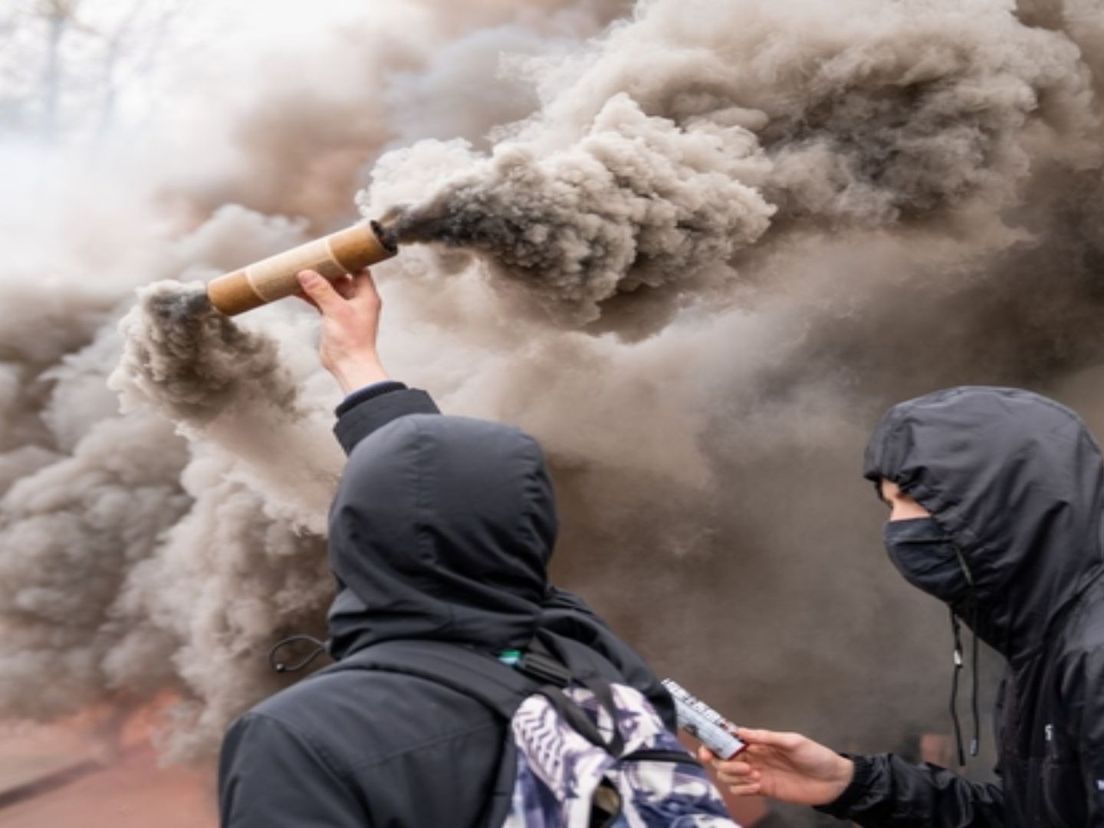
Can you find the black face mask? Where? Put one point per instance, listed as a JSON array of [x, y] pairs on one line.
[[928, 559]]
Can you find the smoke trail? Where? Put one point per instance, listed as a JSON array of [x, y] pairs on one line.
[[220, 382], [637, 202], [651, 162], [191, 359]]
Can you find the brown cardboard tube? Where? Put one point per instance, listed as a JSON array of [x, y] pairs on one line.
[[346, 251]]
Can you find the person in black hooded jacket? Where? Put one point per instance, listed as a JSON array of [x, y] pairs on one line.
[[441, 529], [997, 496]]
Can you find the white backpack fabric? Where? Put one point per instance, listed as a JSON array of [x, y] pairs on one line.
[[564, 779], [583, 750]]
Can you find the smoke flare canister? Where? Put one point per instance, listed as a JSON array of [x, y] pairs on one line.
[[703, 722], [346, 251]]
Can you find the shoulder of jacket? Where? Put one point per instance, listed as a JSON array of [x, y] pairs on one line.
[[290, 703], [1078, 660], [382, 709], [1083, 632]]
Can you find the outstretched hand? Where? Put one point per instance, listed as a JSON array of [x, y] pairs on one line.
[[785, 766], [350, 309]]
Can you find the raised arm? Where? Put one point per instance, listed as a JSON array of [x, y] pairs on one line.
[[350, 310]]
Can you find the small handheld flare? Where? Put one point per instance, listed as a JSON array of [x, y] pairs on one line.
[[346, 251], [704, 723]]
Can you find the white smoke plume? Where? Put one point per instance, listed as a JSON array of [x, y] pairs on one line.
[[747, 228]]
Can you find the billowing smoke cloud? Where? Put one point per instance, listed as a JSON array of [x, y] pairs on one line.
[[666, 147], [637, 202], [220, 382], [752, 225], [169, 545], [183, 354]]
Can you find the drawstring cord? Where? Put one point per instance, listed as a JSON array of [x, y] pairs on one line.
[[281, 667], [954, 688], [975, 741]]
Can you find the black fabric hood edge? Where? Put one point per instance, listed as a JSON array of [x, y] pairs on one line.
[[441, 529], [1017, 482]]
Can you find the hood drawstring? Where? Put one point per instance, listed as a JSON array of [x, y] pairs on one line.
[[975, 741], [954, 688], [281, 667]]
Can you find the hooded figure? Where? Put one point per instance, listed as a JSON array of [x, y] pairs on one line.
[[441, 530], [1014, 484]]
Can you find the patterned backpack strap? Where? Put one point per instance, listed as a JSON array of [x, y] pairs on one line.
[[590, 670]]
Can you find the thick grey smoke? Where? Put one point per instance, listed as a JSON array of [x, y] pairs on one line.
[[665, 148], [183, 354], [755, 226], [169, 545], [637, 202], [219, 381]]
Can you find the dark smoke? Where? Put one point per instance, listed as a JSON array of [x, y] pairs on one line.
[[637, 202], [881, 116], [194, 361]]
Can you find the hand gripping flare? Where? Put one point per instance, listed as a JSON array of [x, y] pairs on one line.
[[346, 251]]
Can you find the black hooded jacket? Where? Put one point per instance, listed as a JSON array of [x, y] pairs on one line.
[[441, 530], [1017, 483]]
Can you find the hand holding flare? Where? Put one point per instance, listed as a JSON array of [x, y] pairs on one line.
[[785, 766]]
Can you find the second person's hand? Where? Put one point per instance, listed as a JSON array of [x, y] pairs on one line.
[[784, 766]]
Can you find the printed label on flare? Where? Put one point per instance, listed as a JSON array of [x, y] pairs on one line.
[[703, 722], [274, 278]]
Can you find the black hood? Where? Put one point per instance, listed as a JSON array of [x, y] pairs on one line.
[[442, 529], [1016, 481]]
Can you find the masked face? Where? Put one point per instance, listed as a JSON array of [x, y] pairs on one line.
[[927, 559]]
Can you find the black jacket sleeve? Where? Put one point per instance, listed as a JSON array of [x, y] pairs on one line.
[[888, 791], [271, 777], [363, 415], [1083, 695]]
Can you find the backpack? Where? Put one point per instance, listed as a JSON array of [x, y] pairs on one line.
[[583, 747]]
